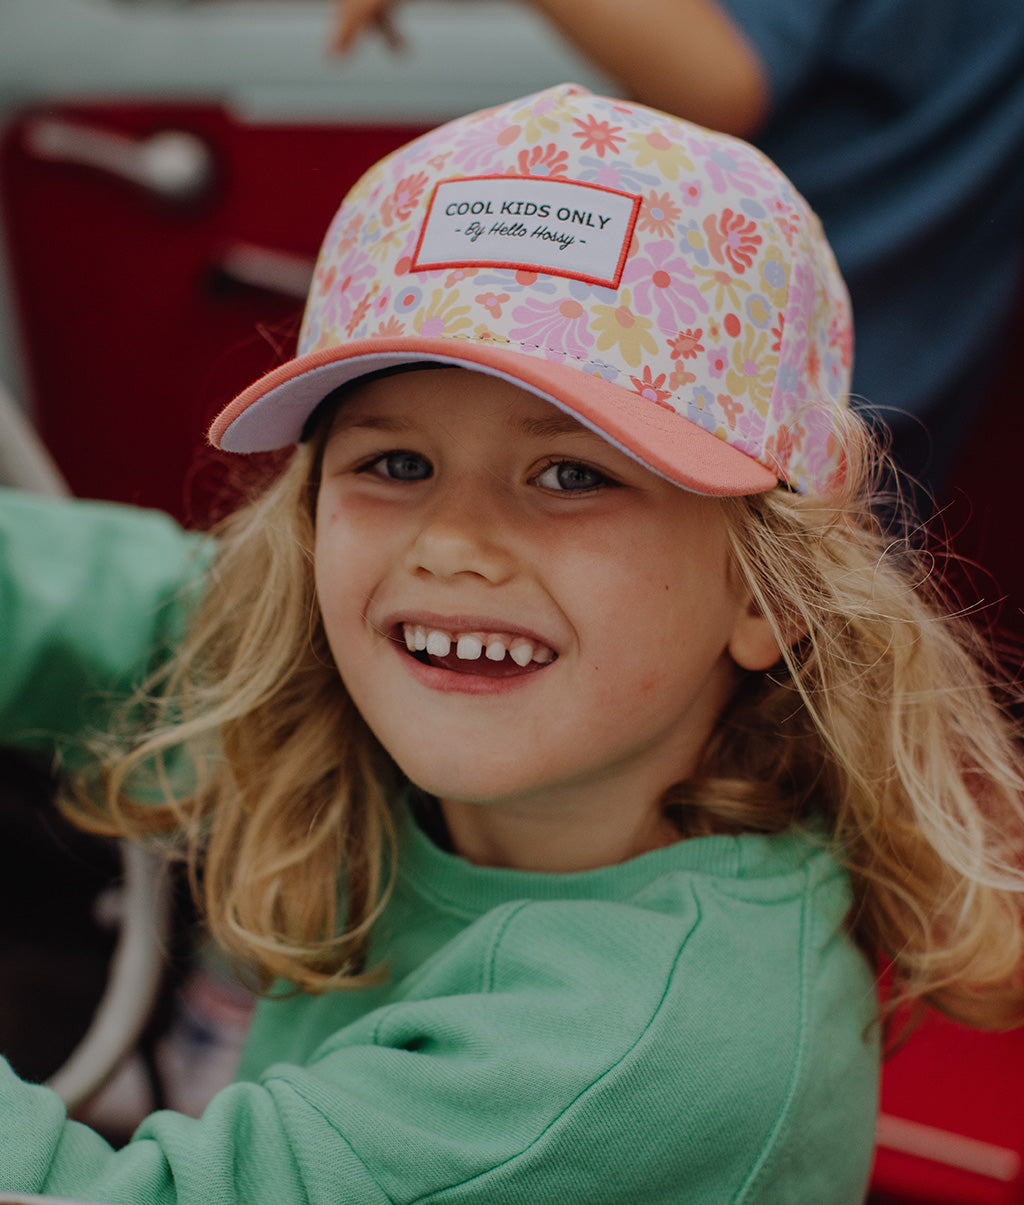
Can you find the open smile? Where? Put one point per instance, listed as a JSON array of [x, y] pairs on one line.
[[490, 654]]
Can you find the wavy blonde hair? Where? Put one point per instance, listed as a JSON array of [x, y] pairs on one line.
[[880, 719]]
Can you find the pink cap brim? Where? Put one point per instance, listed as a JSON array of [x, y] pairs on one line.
[[273, 411]]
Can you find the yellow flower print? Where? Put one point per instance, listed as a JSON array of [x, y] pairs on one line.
[[753, 369], [655, 148], [442, 316], [718, 281], [388, 242], [775, 276], [618, 326]]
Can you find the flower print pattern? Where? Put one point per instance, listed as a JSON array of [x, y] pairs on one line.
[[619, 327], [650, 388], [687, 344], [753, 369], [733, 238], [493, 302], [727, 308], [560, 328], [443, 315], [598, 136], [542, 161], [663, 282], [400, 204], [658, 215], [664, 153]]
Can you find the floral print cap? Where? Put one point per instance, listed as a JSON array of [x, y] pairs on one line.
[[664, 284]]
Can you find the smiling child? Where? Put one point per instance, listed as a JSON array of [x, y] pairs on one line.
[[567, 744]]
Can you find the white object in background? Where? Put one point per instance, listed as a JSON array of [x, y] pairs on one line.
[[136, 965], [173, 165]]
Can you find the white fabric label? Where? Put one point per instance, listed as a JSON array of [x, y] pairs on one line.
[[544, 224]]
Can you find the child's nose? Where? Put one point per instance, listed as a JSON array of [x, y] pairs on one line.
[[462, 534]]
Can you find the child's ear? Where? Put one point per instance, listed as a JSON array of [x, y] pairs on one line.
[[753, 645]]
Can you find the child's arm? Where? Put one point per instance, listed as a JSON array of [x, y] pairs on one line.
[[688, 57], [90, 593]]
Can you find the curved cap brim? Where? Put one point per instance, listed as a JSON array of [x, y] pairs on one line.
[[272, 412]]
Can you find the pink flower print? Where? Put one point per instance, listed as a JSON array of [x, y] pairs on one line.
[[542, 161], [718, 361], [390, 329], [651, 387], [840, 337], [599, 136], [693, 190], [559, 327], [492, 302], [399, 205], [663, 283], [732, 237], [443, 316], [658, 214], [342, 289], [482, 145], [785, 218], [686, 345]]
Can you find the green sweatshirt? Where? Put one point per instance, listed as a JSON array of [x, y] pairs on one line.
[[691, 1026]]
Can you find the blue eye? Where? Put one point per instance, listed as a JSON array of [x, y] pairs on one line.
[[570, 476], [402, 466]]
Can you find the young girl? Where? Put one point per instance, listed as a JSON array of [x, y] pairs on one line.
[[558, 737]]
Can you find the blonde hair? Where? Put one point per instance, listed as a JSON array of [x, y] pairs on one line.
[[879, 721]]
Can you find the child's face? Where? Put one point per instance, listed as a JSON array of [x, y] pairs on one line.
[[593, 623]]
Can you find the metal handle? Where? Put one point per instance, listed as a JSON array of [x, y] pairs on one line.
[[173, 165]]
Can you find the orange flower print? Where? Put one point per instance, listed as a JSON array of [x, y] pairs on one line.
[[651, 387], [780, 447], [492, 302], [390, 329], [732, 237], [658, 214], [543, 161], [400, 204], [686, 344], [731, 408], [358, 314], [599, 136], [681, 377]]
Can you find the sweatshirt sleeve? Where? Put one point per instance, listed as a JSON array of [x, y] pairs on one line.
[[553, 1052], [90, 593]]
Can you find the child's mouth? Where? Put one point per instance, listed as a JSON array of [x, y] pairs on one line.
[[486, 654]]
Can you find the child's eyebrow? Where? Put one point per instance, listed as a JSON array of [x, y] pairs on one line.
[[555, 423]]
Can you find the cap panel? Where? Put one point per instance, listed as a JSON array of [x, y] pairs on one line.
[[608, 242]]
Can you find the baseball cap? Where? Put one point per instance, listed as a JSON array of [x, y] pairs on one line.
[[662, 283]]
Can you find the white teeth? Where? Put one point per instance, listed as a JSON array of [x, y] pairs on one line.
[[469, 648], [439, 644], [495, 649], [521, 651]]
